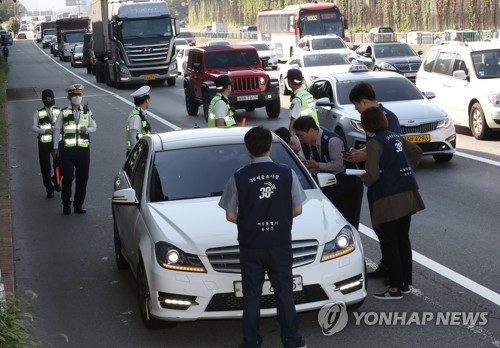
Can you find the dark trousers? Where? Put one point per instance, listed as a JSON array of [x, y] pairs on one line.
[[75, 163], [46, 164], [347, 196], [278, 263], [394, 237]]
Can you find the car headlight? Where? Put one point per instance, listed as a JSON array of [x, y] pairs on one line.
[[173, 66], [173, 258], [387, 66], [262, 80], [444, 123], [342, 245], [494, 98], [124, 70], [357, 126]]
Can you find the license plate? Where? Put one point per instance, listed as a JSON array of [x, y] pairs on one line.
[[247, 97], [410, 74], [421, 138], [149, 77], [267, 289]]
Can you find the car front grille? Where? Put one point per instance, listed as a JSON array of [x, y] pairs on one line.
[[229, 302], [147, 55], [245, 84], [408, 67], [421, 128], [227, 259]]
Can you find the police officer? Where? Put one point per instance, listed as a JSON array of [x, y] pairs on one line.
[[262, 199], [137, 123], [75, 123], [43, 124], [302, 102], [220, 112], [323, 151]]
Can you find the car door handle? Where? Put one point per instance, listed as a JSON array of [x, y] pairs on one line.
[[446, 85]]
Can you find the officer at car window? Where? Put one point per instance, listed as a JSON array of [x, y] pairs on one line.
[[74, 122], [302, 102], [262, 199], [220, 112], [44, 120], [137, 122]]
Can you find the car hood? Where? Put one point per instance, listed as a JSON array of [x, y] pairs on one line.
[[420, 111], [325, 70], [200, 224], [237, 71], [400, 60]]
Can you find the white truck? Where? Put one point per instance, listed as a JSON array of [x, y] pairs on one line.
[[133, 41]]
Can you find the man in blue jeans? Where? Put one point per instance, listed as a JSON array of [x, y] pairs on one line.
[[262, 199]]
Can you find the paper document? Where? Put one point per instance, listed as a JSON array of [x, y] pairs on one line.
[[355, 171]]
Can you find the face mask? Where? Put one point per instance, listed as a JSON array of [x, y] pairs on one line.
[[77, 100], [49, 103]]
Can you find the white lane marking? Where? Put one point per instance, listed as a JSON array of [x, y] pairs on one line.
[[445, 271], [477, 158], [152, 115]]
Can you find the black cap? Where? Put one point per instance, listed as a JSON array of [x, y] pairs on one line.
[[222, 81], [294, 75], [47, 93]]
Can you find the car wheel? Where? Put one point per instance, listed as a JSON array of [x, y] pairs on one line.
[[443, 158], [121, 263], [478, 126], [191, 106], [283, 89], [144, 300], [273, 108], [171, 81]]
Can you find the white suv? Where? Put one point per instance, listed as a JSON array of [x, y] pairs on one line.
[[466, 80], [323, 42]]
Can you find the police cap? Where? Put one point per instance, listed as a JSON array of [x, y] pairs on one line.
[[141, 92], [294, 75], [75, 89], [48, 95], [222, 81]]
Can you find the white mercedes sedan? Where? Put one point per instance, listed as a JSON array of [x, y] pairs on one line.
[[170, 231]]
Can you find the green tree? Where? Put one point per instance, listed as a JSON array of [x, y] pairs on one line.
[[13, 25]]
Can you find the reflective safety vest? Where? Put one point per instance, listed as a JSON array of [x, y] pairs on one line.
[[46, 122], [308, 104], [146, 127], [71, 133], [228, 120]]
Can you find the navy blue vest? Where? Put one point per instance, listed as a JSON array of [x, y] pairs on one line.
[[396, 174], [265, 205], [393, 120]]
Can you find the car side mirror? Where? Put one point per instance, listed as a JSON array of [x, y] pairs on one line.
[[367, 55], [459, 75], [420, 53], [125, 197], [325, 103], [326, 179], [429, 94]]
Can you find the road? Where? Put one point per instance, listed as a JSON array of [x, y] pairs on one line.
[[68, 261]]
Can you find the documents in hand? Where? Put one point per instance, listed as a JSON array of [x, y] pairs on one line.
[[357, 172]]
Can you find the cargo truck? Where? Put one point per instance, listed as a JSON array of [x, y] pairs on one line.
[[47, 28], [133, 41], [70, 31]]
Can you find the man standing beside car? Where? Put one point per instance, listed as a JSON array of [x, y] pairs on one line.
[[262, 199], [302, 102], [220, 112], [137, 123]]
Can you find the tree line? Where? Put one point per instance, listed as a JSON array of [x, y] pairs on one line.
[[402, 15]]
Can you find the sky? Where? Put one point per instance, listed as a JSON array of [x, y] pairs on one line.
[[37, 5]]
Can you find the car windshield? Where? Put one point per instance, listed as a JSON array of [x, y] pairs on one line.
[[74, 37], [384, 51], [181, 42], [78, 49], [227, 59], [487, 63], [324, 59], [214, 166], [185, 34], [387, 89], [159, 27], [260, 47], [328, 43]]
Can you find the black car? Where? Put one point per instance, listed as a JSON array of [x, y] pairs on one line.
[[6, 39], [390, 56], [188, 36]]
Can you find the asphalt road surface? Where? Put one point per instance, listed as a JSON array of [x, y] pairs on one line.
[[68, 261]]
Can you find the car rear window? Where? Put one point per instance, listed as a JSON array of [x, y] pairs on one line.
[[386, 89], [203, 171], [327, 43]]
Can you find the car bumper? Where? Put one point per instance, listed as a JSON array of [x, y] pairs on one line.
[[212, 294], [492, 116], [252, 100]]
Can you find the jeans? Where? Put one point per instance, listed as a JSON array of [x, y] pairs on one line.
[[277, 261]]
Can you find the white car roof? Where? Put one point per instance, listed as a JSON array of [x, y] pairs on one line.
[[363, 75]]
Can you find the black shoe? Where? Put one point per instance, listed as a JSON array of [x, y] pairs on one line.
[[406, 289], [57, 188], [67, 210], [380, 272], [80, 210], [302, 344], [389, 295], [50, 194]]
